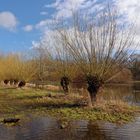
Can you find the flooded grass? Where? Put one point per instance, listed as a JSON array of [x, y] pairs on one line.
[[110, 112], [20, 102]]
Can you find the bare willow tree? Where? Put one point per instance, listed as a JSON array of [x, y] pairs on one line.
[[62, 58], [52, 58], [98, 47], [64, 64]]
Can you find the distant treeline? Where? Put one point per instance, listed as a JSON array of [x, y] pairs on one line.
[[35, 70]]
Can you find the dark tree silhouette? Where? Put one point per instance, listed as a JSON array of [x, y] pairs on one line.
[[21, 84], [94, 83], [65, 83], [6, 81]]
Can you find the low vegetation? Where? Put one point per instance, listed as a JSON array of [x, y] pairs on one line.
[[19, 102]]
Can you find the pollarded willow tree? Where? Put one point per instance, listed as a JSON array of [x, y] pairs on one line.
[[64, 65], [99, 47], [53, 60]]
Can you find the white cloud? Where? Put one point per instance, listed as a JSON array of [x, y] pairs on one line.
[[28, 28], [53, 5], [42, 23], [65, 8], [43, 13], [35, 45], [130, 9], [8, 20], [46, 24]]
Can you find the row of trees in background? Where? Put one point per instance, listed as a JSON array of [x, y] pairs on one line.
[[42, 68], [14, 67]]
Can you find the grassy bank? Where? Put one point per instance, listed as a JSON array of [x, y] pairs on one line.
[[20, 102]]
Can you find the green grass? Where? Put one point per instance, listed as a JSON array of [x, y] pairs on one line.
[[91, 114], [20, 102]]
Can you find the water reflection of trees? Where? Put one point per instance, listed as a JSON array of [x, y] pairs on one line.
[[95, 131], [136, 92], [122, 92]]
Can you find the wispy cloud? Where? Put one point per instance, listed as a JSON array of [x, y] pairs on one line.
[[43, 13], [47, 24], [8, 20], [28, 28], [65, 8], [53, 5], [129, 10]]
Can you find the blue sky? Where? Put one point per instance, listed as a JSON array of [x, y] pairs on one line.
[[26, 12], [24, 22]]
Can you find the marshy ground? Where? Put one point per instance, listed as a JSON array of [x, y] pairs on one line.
[[19, 103]]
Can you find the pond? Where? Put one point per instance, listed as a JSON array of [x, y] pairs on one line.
[[48, 128]]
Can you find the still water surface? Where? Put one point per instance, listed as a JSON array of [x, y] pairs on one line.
[[47, 128], [127, 93]]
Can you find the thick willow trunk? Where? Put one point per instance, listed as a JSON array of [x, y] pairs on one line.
[[65, 83], [94, 84], [93, 90]]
